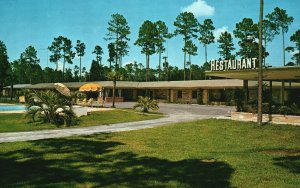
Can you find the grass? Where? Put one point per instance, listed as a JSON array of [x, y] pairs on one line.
[[207, 153], [17, 122], [7, 100]]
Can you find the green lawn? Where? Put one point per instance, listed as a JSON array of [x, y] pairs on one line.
[[17, 122], [207, 153]]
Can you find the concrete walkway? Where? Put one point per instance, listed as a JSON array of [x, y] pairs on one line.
[[182, 114]]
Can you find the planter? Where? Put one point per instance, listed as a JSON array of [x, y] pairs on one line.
[[274, 118], [117, 99], [79, 111]]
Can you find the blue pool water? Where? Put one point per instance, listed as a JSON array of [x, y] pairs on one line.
[[12, 107]]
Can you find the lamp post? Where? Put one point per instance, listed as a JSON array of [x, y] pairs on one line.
[[260, 79]]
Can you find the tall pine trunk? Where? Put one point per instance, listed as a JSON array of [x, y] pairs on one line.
[[265, 41], [79, 68], [298, 61], [205, 47], [184, 61], [63, 72], [114, 91], [116, 50], [190, 66], [260, 73], [283, 50], [147, 67], [159, 66], [116, 63]]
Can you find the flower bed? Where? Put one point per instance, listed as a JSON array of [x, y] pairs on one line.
[[117, 99], [273, 118]]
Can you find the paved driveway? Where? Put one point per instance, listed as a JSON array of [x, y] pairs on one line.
[[175, 113], [181, 109]]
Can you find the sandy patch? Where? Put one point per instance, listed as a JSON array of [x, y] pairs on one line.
[[6, 104], [13, 112], [91, 109]]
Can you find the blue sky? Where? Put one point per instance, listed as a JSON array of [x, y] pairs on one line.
[[37, 22]]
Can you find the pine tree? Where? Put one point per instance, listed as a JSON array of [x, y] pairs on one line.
[[226, 45], [186, 25], [206, 34]]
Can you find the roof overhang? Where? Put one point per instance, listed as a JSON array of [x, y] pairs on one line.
[[269, 74]]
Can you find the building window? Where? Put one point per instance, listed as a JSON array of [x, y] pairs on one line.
[[179, 94]]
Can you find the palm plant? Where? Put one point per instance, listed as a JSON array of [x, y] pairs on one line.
[[145, 103], [50, 107]]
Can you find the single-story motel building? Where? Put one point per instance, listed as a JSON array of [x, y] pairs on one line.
[[280, 81]]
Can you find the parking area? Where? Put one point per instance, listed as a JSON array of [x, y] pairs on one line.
[[185, 109]]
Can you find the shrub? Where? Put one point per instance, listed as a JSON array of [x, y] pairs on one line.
[[145, 103], [229, 97], [7, 100], [294, 97], [50, 107], [295, 109], [239, 96], [76, 96], [285, 110]]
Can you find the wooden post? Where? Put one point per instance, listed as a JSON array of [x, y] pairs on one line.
[[270, 100], [260, 71], [282, 93], [246, 91]]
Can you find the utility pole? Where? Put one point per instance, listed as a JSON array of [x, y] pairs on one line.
[[260, 71]]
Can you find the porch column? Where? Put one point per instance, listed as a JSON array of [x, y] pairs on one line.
[[289, 93], [270, 97], [154, 94], [199, 98], [205, 96], [172, 96], [282, 93], [134, 94]]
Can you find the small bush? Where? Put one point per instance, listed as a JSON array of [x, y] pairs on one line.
[[295, 109], [146, 104], [276, 109], [229, 97], [285, 110], [7, 100], [50, 107], [239, 96]]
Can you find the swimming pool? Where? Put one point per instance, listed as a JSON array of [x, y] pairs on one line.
[[12, 108]]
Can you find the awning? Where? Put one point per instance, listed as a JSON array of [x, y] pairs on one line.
[[90, 87]]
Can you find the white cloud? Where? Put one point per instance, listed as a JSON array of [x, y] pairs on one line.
[[199, 8], [218, 31]]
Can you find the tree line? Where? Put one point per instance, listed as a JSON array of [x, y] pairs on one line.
[[151, 39]]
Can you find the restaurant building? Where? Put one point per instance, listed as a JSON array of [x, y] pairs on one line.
[[213, 91], [235, 74]]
